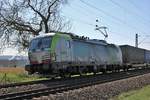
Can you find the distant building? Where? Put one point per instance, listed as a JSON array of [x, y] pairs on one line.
[[13, 61]]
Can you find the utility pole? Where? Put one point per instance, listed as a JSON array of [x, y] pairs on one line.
[[136, 40]]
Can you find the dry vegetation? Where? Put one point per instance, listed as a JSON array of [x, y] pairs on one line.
[[12, 74], [13, 70]]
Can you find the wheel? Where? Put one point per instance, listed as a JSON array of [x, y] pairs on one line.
[[104, 71], [62, 74], [95, 70], [80, 72], [30, 73]]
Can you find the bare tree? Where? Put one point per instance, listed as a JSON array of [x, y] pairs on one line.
[[22, 19]]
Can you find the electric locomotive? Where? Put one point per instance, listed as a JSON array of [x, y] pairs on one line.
[[66, 53]]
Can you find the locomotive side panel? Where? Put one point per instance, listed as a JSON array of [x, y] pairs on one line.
[[97, 54], [115, 55], [101, 56], [81, 52], [132, 55]]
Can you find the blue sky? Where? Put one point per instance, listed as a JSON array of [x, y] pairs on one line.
[[124, 18]]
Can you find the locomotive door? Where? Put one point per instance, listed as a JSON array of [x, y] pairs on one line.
[[66, 48], [69, 50]]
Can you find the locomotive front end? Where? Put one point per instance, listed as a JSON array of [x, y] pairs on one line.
[[39, 55]]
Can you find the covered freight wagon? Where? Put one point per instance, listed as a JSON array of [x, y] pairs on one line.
[[133, 55]]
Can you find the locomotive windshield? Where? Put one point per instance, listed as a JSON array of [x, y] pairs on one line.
[[40, 43]]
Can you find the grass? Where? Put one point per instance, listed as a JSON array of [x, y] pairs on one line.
[[140, 94], [10, 75]]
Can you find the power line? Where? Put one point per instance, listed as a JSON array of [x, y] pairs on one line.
[[147, 42], [91, 12], [120, 35], [136, 6], [80, 11], [83, 22], [145, 38], [108, 14], [93, 25], [89, 24], [131, 12], [80, 21], [98, 9]]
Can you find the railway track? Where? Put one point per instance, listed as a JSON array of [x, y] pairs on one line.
[[73, 84], [23, 83], [35, 82]]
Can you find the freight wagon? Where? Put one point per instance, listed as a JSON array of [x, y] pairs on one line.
[[135, 56]]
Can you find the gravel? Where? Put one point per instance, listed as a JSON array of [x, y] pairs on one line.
[[102, 91]]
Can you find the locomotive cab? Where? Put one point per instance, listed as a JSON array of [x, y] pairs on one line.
[[39, 54], [45, 51]]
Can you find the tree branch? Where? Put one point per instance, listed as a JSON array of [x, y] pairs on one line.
[[43, 18], [49, 12]]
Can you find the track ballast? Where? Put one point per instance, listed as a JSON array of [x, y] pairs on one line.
[[70, 84]]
